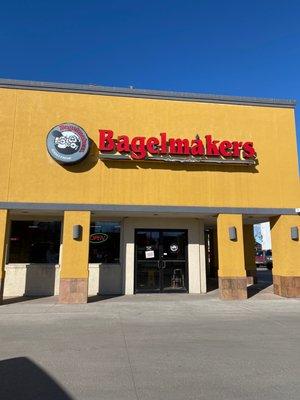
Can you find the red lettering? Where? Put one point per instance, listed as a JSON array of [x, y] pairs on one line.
[[197, 148], [211, 148], [138, 148], [179, 146], [236, 148], [123, 144], [224, 148], [248, 150], [106, 142], [152, 145], [163, 145]]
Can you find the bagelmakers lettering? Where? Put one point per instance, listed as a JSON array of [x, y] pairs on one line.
[[140, 147]]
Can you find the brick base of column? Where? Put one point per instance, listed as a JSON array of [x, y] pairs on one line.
[[1, 289], [251, 276], [73, 290], [233, 288], [286, 286]]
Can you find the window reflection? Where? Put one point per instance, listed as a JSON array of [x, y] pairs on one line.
[[104, 242], [34, 242]]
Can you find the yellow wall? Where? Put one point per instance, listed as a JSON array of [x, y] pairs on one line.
[[285, 251], [231, 253], [28, 174], [75, 253], [8, 104]]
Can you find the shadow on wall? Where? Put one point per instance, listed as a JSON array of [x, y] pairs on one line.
[[130, 164], [110, 280], [40, 280], [212, 284], [23, 379], [105, 281], [31, 281], [88, 163]]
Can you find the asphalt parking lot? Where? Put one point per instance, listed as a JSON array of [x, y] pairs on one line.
[[174, 346]]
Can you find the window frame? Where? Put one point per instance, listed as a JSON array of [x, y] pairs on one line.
[[113, 221], [28, 218]]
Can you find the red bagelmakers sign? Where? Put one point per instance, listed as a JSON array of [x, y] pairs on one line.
[[163, 148]]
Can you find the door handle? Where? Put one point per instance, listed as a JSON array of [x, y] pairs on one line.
[[163, 265]]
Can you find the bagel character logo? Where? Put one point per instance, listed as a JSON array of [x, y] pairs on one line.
[[67, 143], [174, 247]]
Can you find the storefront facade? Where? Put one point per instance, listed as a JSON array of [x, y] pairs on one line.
[[115, 191]]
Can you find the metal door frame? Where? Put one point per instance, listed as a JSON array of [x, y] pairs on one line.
[[161, 270]]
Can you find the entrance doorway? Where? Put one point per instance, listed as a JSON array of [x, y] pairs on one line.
[[161, 260]]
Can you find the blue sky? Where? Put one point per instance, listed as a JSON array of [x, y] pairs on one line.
[[244, 48]]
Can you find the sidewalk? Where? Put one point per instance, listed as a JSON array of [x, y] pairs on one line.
[[174, 346]]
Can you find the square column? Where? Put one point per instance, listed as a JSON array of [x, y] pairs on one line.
[[232, 273], [75, 256], [286, 255], [249, 251], [3, 241]]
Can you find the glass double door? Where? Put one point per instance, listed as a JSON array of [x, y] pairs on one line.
[[161, 260]]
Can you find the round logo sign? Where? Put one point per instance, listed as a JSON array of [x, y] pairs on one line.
[[67, 143], [174, 247], [98, 237]]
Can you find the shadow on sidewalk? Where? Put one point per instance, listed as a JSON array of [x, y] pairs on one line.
[[94, 299], [22, 379], [21, 299], [212, 284], [265, 280]]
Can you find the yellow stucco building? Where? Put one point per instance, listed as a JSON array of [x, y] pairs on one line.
[[114, 190]]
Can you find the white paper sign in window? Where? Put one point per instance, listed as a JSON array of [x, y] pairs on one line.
[[149, 254]]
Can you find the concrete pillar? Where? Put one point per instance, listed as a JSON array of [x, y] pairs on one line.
[[286, 256], [74, 268], [202, 260], [249, 252], [232, 273], [3, 242], [128, 255]]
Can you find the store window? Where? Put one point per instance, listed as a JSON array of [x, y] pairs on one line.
[[34, 242], [104, 242]]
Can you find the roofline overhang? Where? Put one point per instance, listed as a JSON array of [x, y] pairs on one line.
[[126, 209], [146, 94]]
